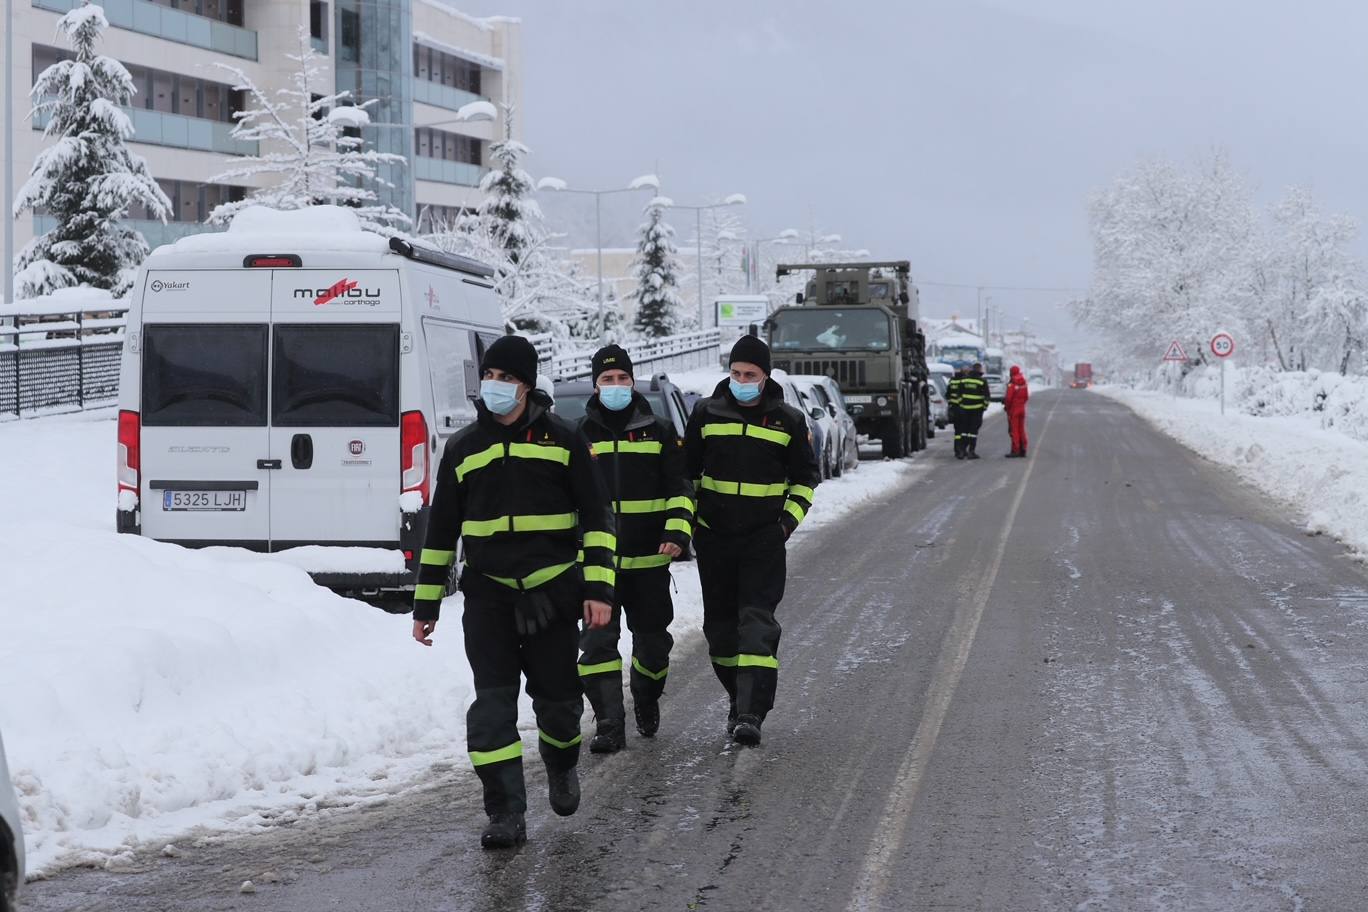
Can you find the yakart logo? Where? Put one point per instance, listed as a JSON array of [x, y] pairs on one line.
[[343, 291]]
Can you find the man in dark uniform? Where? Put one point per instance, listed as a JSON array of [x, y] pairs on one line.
[[973, 402], [952, 401], [754, 471], [519, 489], [641, 461]]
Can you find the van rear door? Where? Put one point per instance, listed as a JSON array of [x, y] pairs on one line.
[[205, 439], [335, 407]]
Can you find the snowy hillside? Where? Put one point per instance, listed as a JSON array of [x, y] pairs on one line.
[[149, 690]]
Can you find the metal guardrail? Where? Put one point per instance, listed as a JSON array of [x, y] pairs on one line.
[[687, 350], [60, 360], [65, 360]]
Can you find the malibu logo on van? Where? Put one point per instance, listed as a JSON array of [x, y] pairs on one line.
[[343, 291]]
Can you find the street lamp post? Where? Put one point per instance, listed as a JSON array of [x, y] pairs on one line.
[[736, 199], [7, 290], [556, 185]]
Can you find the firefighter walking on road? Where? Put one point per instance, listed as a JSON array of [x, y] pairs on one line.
[[952, 402], [641, 461], [1015, 403], [519, 489], [972, 394], [754, 471]]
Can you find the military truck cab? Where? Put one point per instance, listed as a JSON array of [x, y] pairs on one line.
[[857, 323]]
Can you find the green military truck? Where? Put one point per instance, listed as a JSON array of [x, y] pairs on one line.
[[857, 323]]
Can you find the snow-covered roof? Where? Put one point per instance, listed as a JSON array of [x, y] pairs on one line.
[[483, 25], [484, 60], [960, 339], [259, 229]]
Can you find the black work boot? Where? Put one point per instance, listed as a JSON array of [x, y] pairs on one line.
[[563, 789], [647, 717], [610, 738], [504, 832], [747, 730]]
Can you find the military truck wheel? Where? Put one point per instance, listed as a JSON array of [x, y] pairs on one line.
[[923, 426], [894, 438]]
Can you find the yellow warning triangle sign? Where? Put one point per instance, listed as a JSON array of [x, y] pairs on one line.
[[1175, 352]]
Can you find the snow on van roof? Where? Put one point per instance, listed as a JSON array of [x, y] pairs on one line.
[[260, 229]]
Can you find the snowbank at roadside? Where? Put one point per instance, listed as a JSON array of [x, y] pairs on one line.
[[1321, 473], [147, 690], [1331, 401]]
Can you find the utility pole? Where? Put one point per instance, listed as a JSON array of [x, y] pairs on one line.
[[7, 290]]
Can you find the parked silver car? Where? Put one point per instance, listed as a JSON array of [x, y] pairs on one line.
[[846, 447], [11, 839]]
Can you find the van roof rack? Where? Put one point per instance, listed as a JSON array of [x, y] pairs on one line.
[[434, 257]]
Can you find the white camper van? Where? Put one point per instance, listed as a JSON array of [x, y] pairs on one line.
[[291, 382]]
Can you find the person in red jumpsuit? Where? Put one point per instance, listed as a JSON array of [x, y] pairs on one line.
[[1015, 404]]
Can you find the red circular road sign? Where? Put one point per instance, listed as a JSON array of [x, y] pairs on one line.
[[1222, 345]]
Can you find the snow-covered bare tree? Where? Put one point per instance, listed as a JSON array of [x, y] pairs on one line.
[[1170, 249], [310, 146], [658, 303], [88, 178], [1314, 309]]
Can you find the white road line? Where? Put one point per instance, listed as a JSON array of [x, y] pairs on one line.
[[887, 837]]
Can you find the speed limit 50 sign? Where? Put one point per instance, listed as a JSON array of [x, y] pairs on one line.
[[1222, 345]]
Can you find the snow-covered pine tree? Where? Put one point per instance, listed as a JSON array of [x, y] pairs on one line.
[[88, 178], [657, 270], [512, 217], [310, 145]]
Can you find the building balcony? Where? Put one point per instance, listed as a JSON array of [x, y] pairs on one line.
[[160, 128], [441, 96], [447, 172], [171, 24], [155, 233]]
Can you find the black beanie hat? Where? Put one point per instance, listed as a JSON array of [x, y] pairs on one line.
[[752, 349], [512, 355], [611, 357]]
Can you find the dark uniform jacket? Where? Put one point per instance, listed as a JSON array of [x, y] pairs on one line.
[[642, 466], [973, 393], [751, 465], [525, 499]]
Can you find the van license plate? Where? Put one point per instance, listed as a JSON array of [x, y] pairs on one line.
[[204, 500]]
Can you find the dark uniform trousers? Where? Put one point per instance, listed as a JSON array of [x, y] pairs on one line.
[[743, 582], [499, 656], [643, 596], [973, 421]]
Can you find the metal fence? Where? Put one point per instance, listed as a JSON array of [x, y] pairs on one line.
[[682, 352], [53, 361]]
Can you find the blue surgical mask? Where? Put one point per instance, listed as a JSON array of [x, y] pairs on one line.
[[500, 396], [615, 398], [746, 392]]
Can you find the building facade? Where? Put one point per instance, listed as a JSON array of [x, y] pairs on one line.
[[421, 59]]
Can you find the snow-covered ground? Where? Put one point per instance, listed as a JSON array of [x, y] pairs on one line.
[[147, 690], [1320, 472]]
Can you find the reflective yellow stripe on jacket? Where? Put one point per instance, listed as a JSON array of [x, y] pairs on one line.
[[736, 429]]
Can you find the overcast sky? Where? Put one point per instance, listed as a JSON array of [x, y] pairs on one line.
[[965, 136]]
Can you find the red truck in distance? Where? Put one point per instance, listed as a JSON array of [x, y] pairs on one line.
[[1083, 376]]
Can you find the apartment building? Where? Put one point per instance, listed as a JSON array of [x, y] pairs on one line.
[[422, 59]]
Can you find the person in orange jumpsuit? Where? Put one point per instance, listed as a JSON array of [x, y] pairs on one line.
[[1015, 403]]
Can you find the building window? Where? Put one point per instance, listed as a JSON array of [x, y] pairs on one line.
[[349, 34], [432, 65], [432, 217], [318, 21], [190, 201], [229, 11], [446, 146]]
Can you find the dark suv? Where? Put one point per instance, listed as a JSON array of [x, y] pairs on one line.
[[667, 400]]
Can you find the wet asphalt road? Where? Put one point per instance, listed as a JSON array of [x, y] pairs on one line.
[[1107, 677]]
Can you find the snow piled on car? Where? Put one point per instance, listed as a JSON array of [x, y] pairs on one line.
[[148, 690]]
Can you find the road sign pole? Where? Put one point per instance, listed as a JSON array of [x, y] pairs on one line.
[[1223, 386]]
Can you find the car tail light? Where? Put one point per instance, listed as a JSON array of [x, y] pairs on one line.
[[130, 452], [413, 443], [272, 261]]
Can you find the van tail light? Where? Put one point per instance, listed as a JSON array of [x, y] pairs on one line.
[[130, 456], [413, 443]]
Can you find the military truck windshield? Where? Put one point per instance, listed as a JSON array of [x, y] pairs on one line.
[[827, 327]]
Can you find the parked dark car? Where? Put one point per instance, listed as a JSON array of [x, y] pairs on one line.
[[667, 400]]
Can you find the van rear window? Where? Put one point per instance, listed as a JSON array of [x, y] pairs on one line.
[[336, 376], [204, 375]]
